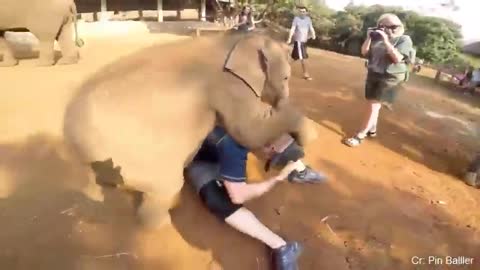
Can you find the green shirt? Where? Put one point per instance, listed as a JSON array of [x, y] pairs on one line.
[[380, 62]]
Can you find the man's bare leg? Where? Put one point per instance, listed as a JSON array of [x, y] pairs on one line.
[[306, 75], [285, 254], [245, 221]]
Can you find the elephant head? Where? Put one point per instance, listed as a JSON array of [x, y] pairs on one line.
[[262, 64]]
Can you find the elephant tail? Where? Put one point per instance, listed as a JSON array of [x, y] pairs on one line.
[[78, 41]]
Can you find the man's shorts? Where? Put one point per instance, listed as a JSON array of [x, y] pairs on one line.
[[299, 50], [382, 87], [203, 175], [231, 157]]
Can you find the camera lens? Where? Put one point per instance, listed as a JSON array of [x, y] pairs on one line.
[[375, 35]]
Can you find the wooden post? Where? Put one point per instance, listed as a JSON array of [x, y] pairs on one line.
[[160, 10], [203, 10], [103, 10], [140, 10], [179, 9], [438, 75]]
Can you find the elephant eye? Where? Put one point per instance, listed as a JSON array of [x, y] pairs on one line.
[[286, 78]]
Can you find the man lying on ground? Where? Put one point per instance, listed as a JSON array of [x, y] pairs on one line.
[[218, 174]]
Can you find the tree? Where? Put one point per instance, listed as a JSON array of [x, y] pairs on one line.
[[436, 39]]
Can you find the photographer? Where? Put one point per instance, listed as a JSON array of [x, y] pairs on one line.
[[388, 51]]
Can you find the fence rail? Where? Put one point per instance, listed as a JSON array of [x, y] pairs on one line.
[[104, 8]]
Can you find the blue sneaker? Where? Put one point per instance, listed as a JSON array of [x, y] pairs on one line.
[[307, 176], [285, 258]]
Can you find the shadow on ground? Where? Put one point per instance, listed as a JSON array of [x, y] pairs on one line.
[[337, 103], [48, 224], [370, 227]]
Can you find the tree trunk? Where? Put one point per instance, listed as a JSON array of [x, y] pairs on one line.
[[437, 76]]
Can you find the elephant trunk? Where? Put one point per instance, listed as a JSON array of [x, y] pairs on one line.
[[78, 41]]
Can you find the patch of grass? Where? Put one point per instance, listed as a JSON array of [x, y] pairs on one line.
[[472, 59]]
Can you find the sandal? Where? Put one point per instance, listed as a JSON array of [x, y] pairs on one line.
[[372, 134], [388, 106], [308, 78], [353, 141]]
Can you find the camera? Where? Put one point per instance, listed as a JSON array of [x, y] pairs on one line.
[[375, 35]]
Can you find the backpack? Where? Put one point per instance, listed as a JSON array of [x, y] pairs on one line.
[[410, 61]]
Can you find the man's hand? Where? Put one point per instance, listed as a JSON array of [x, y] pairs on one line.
[[369, 32], [289, 41], [384, 35], [283, 175]]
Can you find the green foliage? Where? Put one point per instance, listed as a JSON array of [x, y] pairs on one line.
[[457, 63], [436, 39], [346, 25], [472, 60]]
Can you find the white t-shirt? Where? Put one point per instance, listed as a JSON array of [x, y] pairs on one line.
[[302, 27], [476, 75]]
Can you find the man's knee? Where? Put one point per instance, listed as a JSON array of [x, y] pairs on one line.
[[293, 153], [200, 173], [216, 199]]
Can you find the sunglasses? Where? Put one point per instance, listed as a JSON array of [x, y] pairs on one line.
[[391, 27]]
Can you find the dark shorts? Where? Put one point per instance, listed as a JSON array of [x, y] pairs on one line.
[[299, 50], [215, 197], [203, 175], [382, 87], [219, 157], [231, 157]]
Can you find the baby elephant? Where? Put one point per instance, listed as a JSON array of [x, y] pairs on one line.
[[48, 20]]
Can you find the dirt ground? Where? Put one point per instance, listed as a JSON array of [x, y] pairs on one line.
[[391, 199]]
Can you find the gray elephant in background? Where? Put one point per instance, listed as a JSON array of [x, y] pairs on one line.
[[48, 20]]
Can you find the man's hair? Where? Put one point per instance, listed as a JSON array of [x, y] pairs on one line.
[[302, 7]]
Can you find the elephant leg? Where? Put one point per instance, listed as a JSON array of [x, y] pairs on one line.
[[153, 210], [47, 56], [70, 52], [92, 190], [46, 38], [8, 57], [261, 125], [160, 183]]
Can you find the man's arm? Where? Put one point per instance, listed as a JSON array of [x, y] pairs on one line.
[[312, 30], [240, 192], [366, 45], [252, 22], [237, 22]]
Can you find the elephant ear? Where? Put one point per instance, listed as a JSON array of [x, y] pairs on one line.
[[248, 61]]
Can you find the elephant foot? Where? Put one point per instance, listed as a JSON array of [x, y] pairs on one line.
[[67, 61], [9, 63], [155, 222], [44, 62], [93, 192], [154, 213]]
